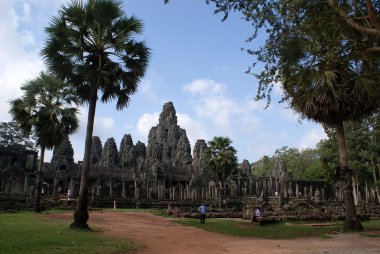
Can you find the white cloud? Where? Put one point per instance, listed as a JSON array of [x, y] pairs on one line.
[[146, 88], [312, 137], [256, 105], [218, 109], [203, 86], [20, 60], [277, 88], [211, 104], [104, 123], [288, 114], [194, 129], [145, 123]]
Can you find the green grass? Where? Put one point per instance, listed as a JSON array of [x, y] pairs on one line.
[[127, 210], [28, 232], [371, 228], [270, 231], [280, 230]]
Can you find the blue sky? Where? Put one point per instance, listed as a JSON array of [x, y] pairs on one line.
[[196, 63]]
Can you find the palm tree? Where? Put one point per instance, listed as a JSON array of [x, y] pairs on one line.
[[324, 81], [221, 160], [92, 46], [45, 112]]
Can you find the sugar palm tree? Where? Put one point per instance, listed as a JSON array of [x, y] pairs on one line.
[[92, 45], [325, 81], [221, 160], [45, 111]]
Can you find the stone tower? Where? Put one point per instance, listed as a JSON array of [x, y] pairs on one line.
[[198, 156], [109, 154], [168, 142], [63, 157], [96, 150], [168, 146], [245, 168], [131, 155], [125, 153]]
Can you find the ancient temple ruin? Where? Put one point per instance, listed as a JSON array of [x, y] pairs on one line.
[[166, 172]]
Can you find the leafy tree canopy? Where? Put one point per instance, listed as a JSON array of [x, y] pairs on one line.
[[12, 136], [221, 157]]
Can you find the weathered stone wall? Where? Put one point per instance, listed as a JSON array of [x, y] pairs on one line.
[[299, 208]]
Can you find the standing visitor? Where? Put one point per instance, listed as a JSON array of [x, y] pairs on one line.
[[202, 211]]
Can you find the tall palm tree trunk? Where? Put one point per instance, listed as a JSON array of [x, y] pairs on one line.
[[37, 194], [81, 212], [352, 222]]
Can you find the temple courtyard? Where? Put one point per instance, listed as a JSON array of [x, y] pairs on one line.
[[155, 234]]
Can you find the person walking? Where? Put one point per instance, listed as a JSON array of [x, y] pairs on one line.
[[202, 209]]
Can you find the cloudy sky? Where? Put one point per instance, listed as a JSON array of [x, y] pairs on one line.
[[196, 63]]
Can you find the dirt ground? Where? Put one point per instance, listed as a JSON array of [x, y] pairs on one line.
[[161, 235]]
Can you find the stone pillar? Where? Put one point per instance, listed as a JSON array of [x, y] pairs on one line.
[[136, 190], [181, 196], [250, 185], [71, 185], [270, 187], [26, 189], [290, 190], [98, 187], [56, 181], [323, 194], [111, 189], [297, 191], [276, 187], [123, 190], [305, 192], [311, 191], [285, 191], [257, 187]]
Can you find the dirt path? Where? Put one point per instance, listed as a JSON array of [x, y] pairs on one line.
[[161, 235]]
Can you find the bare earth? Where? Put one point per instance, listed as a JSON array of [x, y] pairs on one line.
[[161, 235]]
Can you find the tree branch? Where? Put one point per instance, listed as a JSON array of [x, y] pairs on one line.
[[351, 22], [372, 14]]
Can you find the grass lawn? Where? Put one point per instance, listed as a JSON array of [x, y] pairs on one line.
[[280, 230], [27, 232], [371, 228]]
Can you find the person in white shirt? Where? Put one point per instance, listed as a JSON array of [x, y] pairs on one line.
[[202, 209], [256, 215]]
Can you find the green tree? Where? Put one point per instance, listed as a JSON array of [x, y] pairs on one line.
[[313, 173], [315, 56], [263, 167], [221, 160], [296, 162], [12, 136], [374, 123], [364, 18], [45, 111], [324, 83], [92, 45], [360, 151]]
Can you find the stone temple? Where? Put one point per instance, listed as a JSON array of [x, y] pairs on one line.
[[163, 172]]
